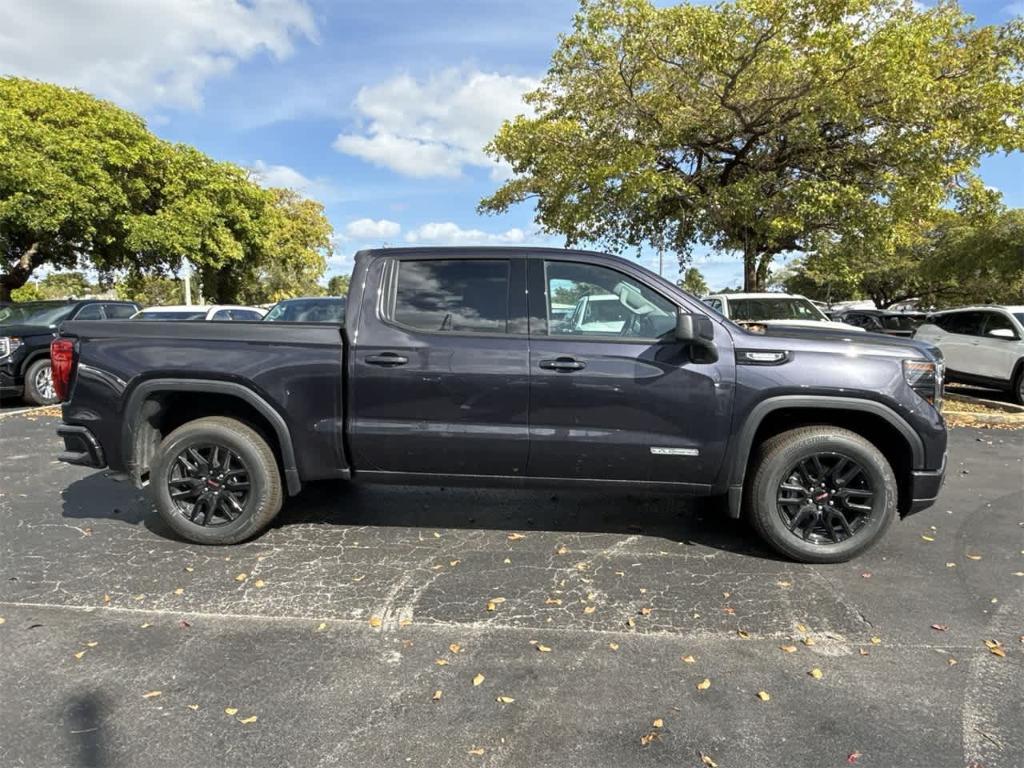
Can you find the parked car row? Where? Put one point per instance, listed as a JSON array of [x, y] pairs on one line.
[[27, 328]]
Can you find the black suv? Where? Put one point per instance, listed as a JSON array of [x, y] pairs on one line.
[[26, 330]]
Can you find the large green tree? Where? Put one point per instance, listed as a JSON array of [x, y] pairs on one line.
[[762, 126], [693, 282], [84, 183]]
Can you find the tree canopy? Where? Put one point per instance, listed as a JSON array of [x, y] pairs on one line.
[[83, 183], [762, 126], [692, 281]]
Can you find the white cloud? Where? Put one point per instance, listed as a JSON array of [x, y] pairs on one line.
[[155, 53], [289, 178], [368, 229], [434, 127], [449, 233]]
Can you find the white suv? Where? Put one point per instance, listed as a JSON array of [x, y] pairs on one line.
[[981, 345], [774, 309]]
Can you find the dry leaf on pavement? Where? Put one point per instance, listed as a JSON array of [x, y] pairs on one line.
[[151, 694], [231, 711], [515, 536], [689, 659], [504, 699], [788, 648], [436, 696], [543, 648], [375, 621], [613, 646], [248, 720], [476, 751], [478, 678], [704, 684], [763, 695], [995, 648], [816, 673], [706, 759]]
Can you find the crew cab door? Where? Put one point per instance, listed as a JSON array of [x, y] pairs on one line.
[[998, 348], [620, 399], [440, 367]]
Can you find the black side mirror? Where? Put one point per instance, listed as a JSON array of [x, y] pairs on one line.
[[699, 332]]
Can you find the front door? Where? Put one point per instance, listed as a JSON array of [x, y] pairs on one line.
[[613, 395], [440, 378]]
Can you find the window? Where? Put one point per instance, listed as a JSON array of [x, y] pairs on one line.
[[783, 308], [715, 304], [119, 311], [605, 303], [997, 321], [222, 314], [90, 312], [964, 323], [457, 296], [245, 314]]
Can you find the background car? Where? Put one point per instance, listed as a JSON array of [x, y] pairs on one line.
[[773, 309], [26, 330], [881, 321], [981, 345], [311, 309], [201, 312]]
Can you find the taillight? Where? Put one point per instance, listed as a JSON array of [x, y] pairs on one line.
[[62, 363]]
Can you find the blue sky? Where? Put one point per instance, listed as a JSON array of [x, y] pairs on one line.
[[378, 109]]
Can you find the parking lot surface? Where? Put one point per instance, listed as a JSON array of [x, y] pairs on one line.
[[383, 626]]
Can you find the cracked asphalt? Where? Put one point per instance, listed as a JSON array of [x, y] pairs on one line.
[[122, 646]]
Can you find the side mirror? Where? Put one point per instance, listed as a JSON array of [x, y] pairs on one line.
[[699, 332], [1002, 333]]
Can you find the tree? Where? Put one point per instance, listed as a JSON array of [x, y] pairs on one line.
[[338, 285], [762, 126], [693, 282], [150, 290]]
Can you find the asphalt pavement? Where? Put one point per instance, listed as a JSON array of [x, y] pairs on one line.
[[385, 626]]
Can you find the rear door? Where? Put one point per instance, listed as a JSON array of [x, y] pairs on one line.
[[440, 372], [619, 400], [957, 333], [997, 353]]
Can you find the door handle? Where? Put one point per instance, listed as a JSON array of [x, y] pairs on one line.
[[387, 359], [563, 365]]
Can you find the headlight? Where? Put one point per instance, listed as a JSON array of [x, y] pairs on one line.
[[8, 344], [925, 378]]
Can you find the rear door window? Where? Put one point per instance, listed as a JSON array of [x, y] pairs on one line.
[[90, 312], [963, 323], [453, 296], [119, 311]]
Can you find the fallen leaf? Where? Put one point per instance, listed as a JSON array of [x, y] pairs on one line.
[[927, 538], [590, 609], [437, 535], [247, 720], [704, 684], [242, 577], [646, 611], [178, 591], [193, 707], [866, 575], [231, 711], [476, 751], [974, 557], [807, 640], [706, 759], [784, 584], [144, 625], [479, 678], [321, 627], [543, 648], [375, 621], [657, 722], [151, 694], [3, 620], [404, 622], [79, 655], [876, 641], [816, 673], [763, 695], [259, 583], [951, 565], [688, 659], [106, 598], [940, 627], [359, 578], [743, 633], [553, 601], [441, 662], [995, 648], [189, 569], [852, 758], [562, 550], [951, 661], [504, 699], [630, 622], [647, 738], [436, 696], [184, 624], [581, 566], [507, 561], [788, 648], [515, 536], [863, 651], [454, 647], [91, 644], [613, 646]]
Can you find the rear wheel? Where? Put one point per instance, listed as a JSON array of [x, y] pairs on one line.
[[1018, 385], [39, 383], [216, 481], [821, 494]]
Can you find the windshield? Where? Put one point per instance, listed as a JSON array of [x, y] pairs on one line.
[[36, 313], [1020, 317], [898, 322], [307, 311], [171, 315], [774, 309]]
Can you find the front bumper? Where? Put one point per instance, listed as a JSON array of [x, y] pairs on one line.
[[924, 487], [80, 447], [10, 384]]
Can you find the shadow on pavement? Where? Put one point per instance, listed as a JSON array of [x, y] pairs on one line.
[[84, 717]]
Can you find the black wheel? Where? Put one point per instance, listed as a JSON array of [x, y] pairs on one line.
[[1018, 385], [39, 383], [216, 481], [821, 494]]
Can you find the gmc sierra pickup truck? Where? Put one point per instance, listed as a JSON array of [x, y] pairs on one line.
[[449, 369]]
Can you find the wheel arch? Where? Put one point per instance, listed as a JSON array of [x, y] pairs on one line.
[[877, 423], [158, 406]]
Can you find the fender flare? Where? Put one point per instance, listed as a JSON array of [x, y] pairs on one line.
[[737, 467], [149, 387]]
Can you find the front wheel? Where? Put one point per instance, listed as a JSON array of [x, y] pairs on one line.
[[39, 383], [216, 481], [821, 494]]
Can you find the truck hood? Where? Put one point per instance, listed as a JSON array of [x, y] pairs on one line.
[[26, 330], [849, 344]]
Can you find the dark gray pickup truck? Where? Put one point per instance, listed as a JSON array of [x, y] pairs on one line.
[[511, 366]]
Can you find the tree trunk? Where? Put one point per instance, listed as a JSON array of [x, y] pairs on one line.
[[750, 269], [20, 272]]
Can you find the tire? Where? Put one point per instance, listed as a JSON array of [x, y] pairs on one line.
[[1018, 385], [244, 458], [821, 538], [39, 383]]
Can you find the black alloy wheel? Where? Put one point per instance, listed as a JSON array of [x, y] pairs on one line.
[[209, 484], [826, 498]]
